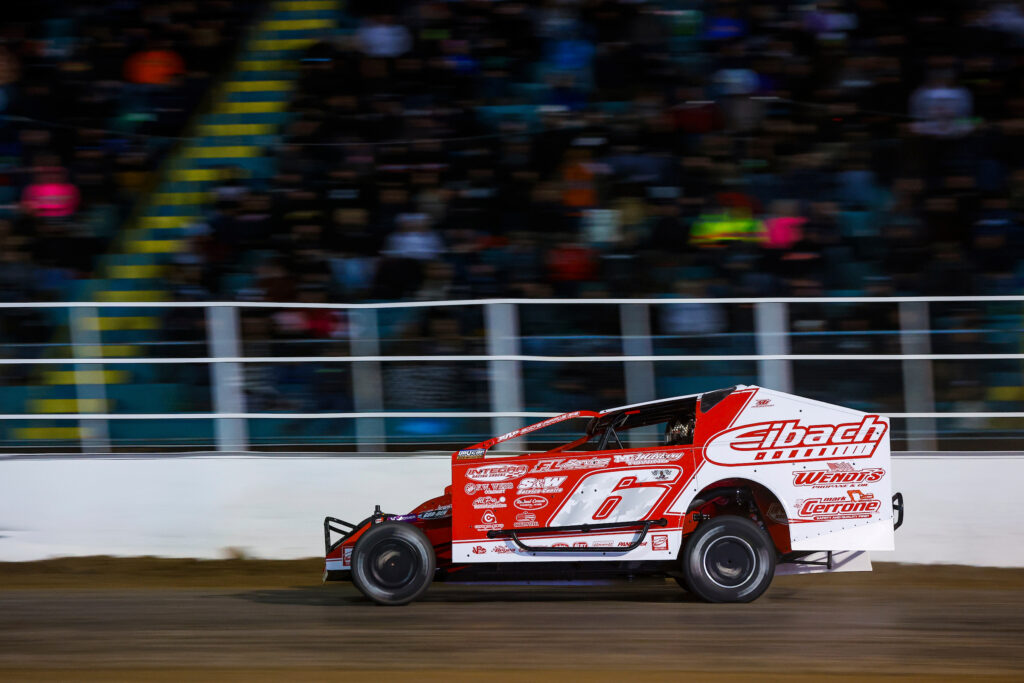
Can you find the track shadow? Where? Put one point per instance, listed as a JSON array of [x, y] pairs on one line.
[[447, 593]]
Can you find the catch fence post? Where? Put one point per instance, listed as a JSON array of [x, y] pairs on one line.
[[635, 321], [90, 385], [918, 386], [222, 334], [367, 380], [506, 382], [771, 325]]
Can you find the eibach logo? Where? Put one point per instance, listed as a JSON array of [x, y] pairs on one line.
[[837, 474], [855, 505], [786, 441], [504, 472]]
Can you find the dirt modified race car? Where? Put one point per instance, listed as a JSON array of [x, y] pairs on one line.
[[746, 483]]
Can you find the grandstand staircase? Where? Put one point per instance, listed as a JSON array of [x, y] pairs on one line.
[[246, 115]]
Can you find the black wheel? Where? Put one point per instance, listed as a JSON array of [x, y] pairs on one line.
[[393, 563], [728, 559]]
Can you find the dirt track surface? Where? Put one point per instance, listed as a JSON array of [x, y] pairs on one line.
[[104, 619]]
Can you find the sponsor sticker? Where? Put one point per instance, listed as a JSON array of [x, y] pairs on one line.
[[762, 403], [787, 441], [489, 502], [479, 550], [540, 485], [838, 474], [531, 502], [488, 522], [526, 519], [855, 505], [659, 542], [346, 557], [439, 512], [579, 544], [570, 464], [496, 472], [647, 458], [492, 489], [471, 454]]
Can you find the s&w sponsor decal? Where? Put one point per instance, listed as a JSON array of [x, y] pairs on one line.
[[570, 464], [489, 502], [841, 474], [855, 505], [787, 441], [649, 458], [540, 485], [496, 472]]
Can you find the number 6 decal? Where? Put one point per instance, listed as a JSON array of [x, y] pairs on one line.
[[616, 496]]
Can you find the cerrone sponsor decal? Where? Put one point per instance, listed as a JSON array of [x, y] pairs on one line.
[[496, 472], [838, 474], [855, 505], [786, 441]]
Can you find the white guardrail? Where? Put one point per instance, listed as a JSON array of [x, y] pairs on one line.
[[771, 331]]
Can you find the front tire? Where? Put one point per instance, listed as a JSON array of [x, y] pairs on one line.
[[728, 559], [393, 563]]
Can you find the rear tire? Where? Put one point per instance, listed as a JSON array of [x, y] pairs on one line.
[[393, 563], [728, 559]]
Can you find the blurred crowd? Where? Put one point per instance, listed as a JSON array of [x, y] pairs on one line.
[[92, 95], [613, 148]]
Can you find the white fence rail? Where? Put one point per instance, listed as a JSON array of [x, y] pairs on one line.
[[771, 331]]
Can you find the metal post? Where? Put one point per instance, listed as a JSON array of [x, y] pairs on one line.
[[90, 387], [367, 382], [228, 383], [771, 321], [506, 383], [635, 321], [918, 386]]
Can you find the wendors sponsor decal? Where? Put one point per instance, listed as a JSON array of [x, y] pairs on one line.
[[787, 441], [496, 472]]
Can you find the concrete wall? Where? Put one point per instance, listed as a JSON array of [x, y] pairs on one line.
[[960, 509]]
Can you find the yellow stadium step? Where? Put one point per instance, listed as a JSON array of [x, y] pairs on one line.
[[232, 152], [272, 107], [280, 44], [139, 272], [304, 5], [69, 405], [296, 24], [226, 129], [86, 377], [197, 175], [132, 296], [180, 198], [1006, 393], [165, 221], [52, 433], [110, 351], [128, 322], [259, 86], [267, 64], [156, 246]]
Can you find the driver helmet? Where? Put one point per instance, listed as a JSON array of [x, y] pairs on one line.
[[678, 431]]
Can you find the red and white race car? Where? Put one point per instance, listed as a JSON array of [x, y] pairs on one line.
[[747, 483]]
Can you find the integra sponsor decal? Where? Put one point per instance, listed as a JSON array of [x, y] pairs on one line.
[[855, 505], [838, 474], [785, 441], [570, 464], [496, 472], [531, 502]]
